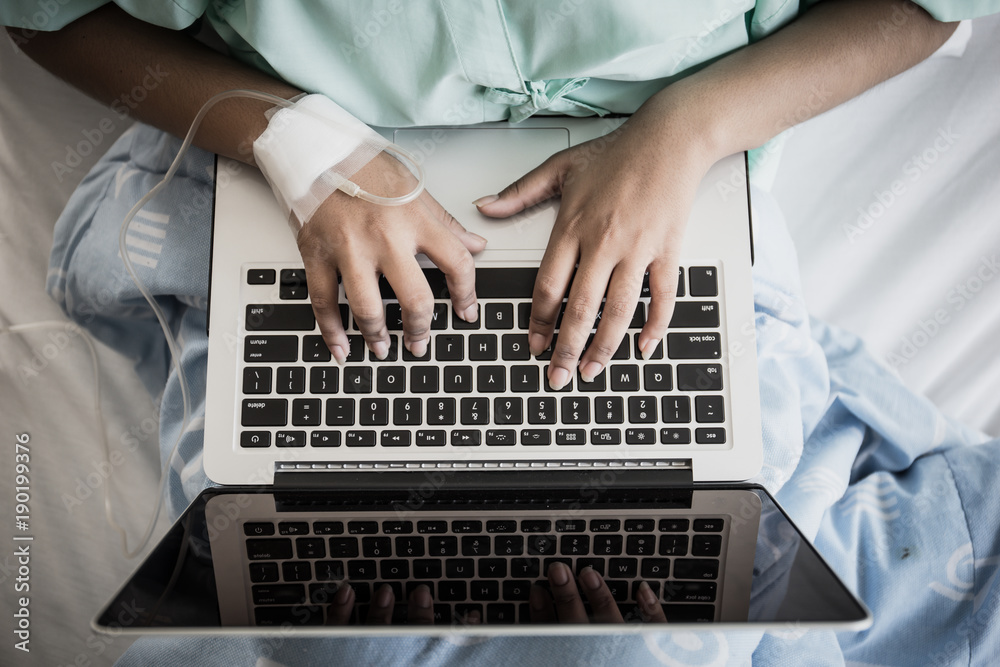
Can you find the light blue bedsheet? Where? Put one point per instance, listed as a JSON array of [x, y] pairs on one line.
[[897, 497]]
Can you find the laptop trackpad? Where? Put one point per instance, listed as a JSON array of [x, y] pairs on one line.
[[462, 165]]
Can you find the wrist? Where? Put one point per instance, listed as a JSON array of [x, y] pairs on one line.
[[683, 118]]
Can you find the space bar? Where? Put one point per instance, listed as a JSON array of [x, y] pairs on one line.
[[491, 283], [280, 317]]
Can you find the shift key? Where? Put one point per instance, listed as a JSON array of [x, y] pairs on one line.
[[280, 317]]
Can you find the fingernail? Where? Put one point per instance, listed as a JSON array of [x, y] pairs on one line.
[[471, 314], [558, 377], [559, 574], [646, 596], [477, 236], [590, 578], [384, 596], [339, 355], [488, 199], [536, 344], [422, 596], [418, 348], [343, 593], [647, 348], [380, 349], [590, 370]]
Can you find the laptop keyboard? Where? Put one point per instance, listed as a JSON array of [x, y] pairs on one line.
[[477, 386], [486, 564]]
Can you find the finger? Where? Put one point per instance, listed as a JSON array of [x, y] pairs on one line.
[[616, 315], [420, 610], [321, 277], [662, 292], [540, 605], [448, 254], [361, 288], [551, 283], [541, 183], [589, 285], [602, 603], [569, 606], [473, 242], [649, 606], [338, 612], [415, 300], [380, 609]]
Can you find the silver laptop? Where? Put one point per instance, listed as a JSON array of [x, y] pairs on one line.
[[463, 471]]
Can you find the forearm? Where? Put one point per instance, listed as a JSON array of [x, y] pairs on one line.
[[108, 54], [833, 53]]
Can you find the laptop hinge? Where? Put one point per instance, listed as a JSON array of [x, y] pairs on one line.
[[484, 475]]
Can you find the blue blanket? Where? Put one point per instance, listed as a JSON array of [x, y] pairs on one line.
[[897, 497]]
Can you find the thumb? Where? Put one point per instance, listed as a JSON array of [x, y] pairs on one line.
[[541, 183]]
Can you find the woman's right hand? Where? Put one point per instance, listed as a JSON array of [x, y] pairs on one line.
[[359, 241]]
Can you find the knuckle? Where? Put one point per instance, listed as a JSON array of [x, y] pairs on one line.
[[618, 309], [548, 288], [580, 309], [464, 265], [566, 353], [322, 303], [541, 322], [602, 349]]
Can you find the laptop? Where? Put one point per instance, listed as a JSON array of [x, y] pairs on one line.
[[463, 471]]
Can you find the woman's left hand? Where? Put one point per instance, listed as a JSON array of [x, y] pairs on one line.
[[626, 198]]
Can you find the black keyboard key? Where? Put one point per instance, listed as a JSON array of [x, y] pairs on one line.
[[265, 412], [325, 380], [457, 379], [255, 439], [287, 615], [260, 349], [548, 387], [431, 527], [571, 436], [542, 410], [343, 547], [695, 314], [570, 525], [431, 438], [392, 568], [676, 409], [694, 345], [392, 355], [699, 377], [373, 411], [673, 525], [440, 412], [328, 528], [624, 377], [605, 525], [638, 317], [501, 437], [362, 527], [508, 410], [310, 547], [293, 277], [703, 281], [640, 545], [290, 439], [689, 613], [355, 348], [574, 545], [393, 317], [619, 590], [536, 436], [390, 380], [449, 347], [641, 409], [260, 276], [623, 568], [575, 410], [708, 525], [361, 570], [256, 529], [314, 349], [360, 438], [673, 545], [546, 354], [280, 317], [257, 380], [466, 526], [395, 438], [483, 347], [397, 527], [547, 564], [640, 436], [323, 593], [706, 545], [596, 564], [263, 572], [427, 569], [508, 545], [306, 412], [491, 379], [452, 591], [609, 410], [424, 379], [408, 356], [407, 411], [710, 436], [459, 324], [639, 525], [696, 568], [296, 570], [358, 380], [605, 436], [475, 545], [657, 377], [599, 383], [524, 378], [340, 412], [525, 568], [536, 525], [442, 545], [689, 591], [653, 586], [709, 409], [362, 591], [439, 317], [516, 590], [501, 526], [541, 545], [324, 438], [523, 315], [475, 411], [485, 591], [621, 353], [657, 352], [460, 568], [410, 547], [514, 347]]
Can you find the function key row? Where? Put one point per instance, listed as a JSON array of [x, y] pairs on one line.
[[465, 526]]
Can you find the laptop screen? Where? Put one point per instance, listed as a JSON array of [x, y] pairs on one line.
[[485, 562]]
